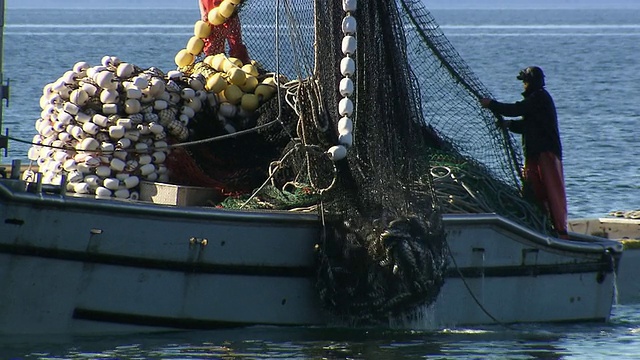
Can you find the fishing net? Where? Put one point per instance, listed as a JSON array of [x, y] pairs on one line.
[[418, 143], [422, 147]]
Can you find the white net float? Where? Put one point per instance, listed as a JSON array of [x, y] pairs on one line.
[[349, 5]]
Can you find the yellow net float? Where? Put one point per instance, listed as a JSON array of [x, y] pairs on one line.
[[221, 98], [195, 45], [220, 62], [215, 18], [271, 81], [227, 8], [264, 90], [228, 65], [216, 83], [209, 60], [250, 69], [184, 58], [201, 29], [250, 102], [233, 94], [235, 61], [250, 84], [236, 76]]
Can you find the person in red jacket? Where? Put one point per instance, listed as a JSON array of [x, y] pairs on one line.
[[541, 142], [230, 31]]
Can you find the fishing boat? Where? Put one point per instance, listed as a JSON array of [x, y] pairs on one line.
[[624, 227], [378, 211]]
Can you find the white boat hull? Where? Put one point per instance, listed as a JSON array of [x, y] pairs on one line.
[[79, 266]]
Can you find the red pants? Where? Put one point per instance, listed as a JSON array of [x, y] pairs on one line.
[[231, 32], [545, 175]]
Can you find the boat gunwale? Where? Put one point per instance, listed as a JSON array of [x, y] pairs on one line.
[[583, 243], [151, 209]]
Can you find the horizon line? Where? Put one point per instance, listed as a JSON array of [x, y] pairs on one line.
[[137, 7]]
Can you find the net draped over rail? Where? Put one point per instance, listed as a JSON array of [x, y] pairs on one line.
[[422, 147]]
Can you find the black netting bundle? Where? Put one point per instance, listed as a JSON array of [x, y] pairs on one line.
[[386, 250], [422, 147]]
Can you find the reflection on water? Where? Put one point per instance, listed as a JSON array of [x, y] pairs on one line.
[[617, 338]]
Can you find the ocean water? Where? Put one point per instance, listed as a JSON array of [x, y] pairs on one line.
[[590, 59]]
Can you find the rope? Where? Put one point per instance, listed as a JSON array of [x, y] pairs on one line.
[[278, 164], [473, 296], [485, 196], [152, 148]]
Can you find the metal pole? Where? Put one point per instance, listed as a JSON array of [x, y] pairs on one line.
[[4, 89]]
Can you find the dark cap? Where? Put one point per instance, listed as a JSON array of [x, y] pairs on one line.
[[532, 74]]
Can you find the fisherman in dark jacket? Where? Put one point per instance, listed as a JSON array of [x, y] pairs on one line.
[[541, 143]]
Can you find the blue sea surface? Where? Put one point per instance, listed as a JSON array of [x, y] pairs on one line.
[[616, 339], [590, 58]]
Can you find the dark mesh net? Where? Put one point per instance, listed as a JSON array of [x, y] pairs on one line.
[[262, 129], [422, 147]]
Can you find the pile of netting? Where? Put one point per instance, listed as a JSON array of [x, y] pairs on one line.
[[422, 147]]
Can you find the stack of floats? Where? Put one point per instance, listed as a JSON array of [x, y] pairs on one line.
[[235, 84], [346, 87], [103, 129], [108, 127]]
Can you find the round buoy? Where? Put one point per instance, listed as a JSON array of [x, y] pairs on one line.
[[264, 91], [215, 18], [218, 61], [233, 94], [216, 83], [184, 58], [195, 45], [337, 152], [235, 61], [236, 76], [202, 29], [250, 102], [227, 8], [250, 84], [250, 69]]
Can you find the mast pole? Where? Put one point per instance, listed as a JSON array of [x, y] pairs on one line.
[[4, 88]]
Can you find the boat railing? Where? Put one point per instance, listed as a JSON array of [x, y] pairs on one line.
[[580, 242], [19, 191]]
